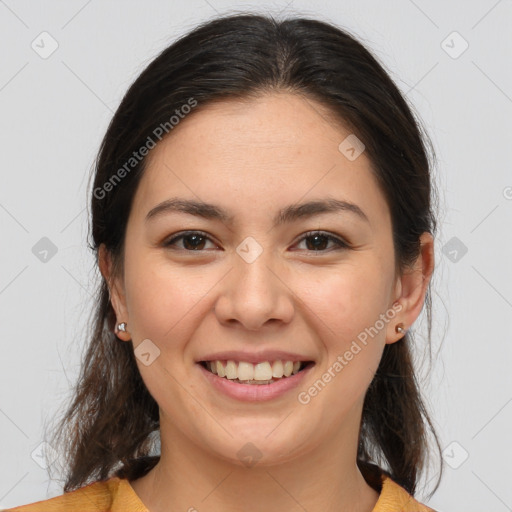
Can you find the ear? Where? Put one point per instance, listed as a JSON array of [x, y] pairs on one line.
[[116, 289], [411, 288]]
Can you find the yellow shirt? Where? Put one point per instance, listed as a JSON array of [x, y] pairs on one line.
[[117, 495]]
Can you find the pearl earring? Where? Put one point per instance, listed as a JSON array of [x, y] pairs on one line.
[[121, 327]]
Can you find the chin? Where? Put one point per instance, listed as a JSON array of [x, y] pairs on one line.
[[259, 449]]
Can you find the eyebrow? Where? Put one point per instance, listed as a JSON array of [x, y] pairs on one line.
[[285, 215]]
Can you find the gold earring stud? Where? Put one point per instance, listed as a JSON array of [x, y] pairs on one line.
[[399, 329]]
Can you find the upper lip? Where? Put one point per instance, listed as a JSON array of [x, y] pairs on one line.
[[254, 357]]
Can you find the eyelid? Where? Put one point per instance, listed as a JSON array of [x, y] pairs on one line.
[[341, 243], [182, 234], [338, 240]]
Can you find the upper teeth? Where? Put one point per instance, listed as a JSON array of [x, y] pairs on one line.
[[248, 371]]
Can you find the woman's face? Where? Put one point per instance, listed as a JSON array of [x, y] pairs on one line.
[[254, 283]]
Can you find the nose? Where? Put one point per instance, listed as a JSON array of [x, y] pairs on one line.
[[255, 294]]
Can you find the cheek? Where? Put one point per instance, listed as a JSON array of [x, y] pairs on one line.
[[163, 300], [346, 300], [344, 311], [350, 356]]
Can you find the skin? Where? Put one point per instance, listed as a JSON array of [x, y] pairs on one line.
[[252, 159]]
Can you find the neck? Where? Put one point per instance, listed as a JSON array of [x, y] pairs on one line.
[[189, 478]]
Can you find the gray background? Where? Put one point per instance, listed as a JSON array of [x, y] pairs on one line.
[[55, 110]]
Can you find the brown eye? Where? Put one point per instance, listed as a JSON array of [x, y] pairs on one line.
[[318, 241], [191, 241]]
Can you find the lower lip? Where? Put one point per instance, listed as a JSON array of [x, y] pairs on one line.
[[255, 392]]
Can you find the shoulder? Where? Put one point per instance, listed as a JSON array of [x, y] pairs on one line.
[[117, 495], [394, 498], [113, 495]]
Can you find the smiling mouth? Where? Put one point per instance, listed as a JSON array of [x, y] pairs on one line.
[[261, 373]]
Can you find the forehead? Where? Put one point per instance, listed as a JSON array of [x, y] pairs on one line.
[[253, 154]]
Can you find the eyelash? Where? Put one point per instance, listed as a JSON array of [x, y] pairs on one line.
[[342, 245]]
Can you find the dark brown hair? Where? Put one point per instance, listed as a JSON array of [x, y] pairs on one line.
[[108, 428]]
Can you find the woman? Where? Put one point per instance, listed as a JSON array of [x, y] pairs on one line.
[[262, 219]]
